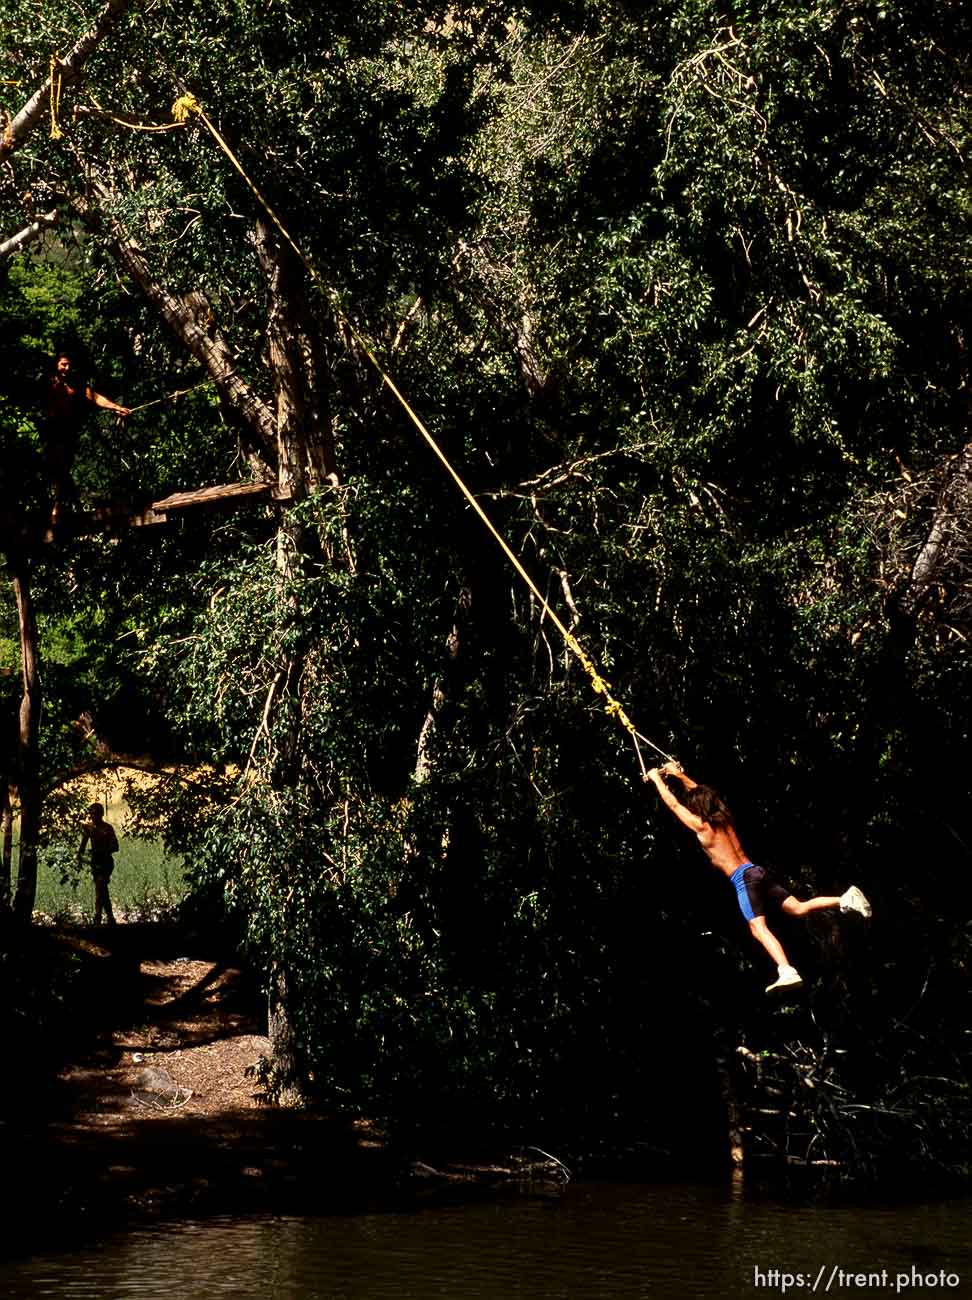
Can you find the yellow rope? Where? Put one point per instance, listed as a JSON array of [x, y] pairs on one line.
[[187, 106], [55, 97], [169, 397], [135, 126]]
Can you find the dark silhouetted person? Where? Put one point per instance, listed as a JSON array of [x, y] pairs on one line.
[[702, 811], [67, 403], [104, 845]]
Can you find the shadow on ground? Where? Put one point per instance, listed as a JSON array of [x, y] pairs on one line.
[[83, 1142]]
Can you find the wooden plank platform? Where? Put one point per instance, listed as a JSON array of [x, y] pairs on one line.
[[220, 494], [115, 516]]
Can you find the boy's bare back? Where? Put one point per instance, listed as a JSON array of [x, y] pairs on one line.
[[722, 847]]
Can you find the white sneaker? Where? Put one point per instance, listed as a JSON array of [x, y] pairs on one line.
[[789, 977], [854, 901]]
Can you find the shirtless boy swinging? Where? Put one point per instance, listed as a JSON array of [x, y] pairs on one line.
[[702, 811]]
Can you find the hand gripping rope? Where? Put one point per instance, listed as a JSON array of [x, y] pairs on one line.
[[187, 106]]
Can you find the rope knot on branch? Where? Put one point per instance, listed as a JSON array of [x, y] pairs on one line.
[[56, 85], [184, 107]]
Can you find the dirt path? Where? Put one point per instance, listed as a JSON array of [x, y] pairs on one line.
[[155, 1113], [199, 1026]]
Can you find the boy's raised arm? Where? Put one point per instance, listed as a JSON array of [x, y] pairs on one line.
[[657, 776]]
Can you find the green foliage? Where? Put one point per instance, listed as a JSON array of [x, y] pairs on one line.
[[682, 296], [146, 885]]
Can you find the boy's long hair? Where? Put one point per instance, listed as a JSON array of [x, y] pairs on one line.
[[707, 804]]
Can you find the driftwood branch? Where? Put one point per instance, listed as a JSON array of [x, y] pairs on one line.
[[68, 70]]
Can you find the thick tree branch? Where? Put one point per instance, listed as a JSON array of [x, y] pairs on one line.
[[68, 70], [210, 353], [180, 316], [306, 453], [28, 234]]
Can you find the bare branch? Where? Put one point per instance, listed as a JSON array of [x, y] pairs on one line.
[[568, 597], [68, 69], [89, 767], [440, 691], [28, 234], [404, 324], [560, 473], [264, 728]]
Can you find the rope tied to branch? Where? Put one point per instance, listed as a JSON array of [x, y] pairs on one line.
[[57, 83]]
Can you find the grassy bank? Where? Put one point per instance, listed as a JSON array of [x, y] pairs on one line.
[[146, 884]]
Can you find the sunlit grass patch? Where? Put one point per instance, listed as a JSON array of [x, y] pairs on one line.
[[146, 883]]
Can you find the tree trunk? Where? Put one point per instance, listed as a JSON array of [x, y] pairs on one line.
[[6, 847], [724, 1060], [28, 749], [298, 358], [284, 1082], [441, 691], [949, 522], [287, 366], [305, 462]]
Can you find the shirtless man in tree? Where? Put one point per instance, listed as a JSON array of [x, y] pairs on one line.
[[67, 401], [702, 811]]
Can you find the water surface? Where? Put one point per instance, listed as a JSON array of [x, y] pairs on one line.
[[595, 1242]]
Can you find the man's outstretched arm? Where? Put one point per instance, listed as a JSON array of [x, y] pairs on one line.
[[105, 403]]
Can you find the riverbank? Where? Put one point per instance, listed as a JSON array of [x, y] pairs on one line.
[[141, 1102], [129, 1094]]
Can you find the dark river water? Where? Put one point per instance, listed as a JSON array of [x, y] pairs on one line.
[[596, 1240]]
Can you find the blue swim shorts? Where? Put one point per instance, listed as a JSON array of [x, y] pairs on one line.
[[756, 890]]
